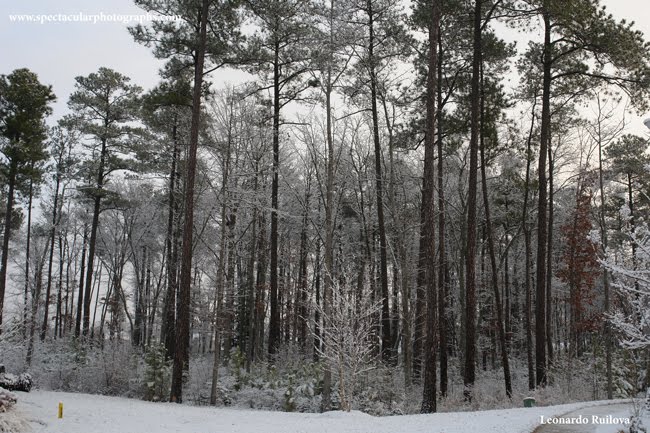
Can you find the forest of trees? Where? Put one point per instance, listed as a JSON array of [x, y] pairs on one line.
[[395, 189]]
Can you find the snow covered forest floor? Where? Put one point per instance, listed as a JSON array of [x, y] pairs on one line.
[[102, 414]]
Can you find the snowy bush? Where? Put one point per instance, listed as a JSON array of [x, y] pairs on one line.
[[638, 412], [631, 274], [112, 368], [11, 382], [346, 337], [10, 420], [7, 399]]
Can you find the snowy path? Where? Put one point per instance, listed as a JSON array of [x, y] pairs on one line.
[[619, 410], [85, 413]]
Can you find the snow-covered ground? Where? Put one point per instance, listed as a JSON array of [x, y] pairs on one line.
[[85, 413]]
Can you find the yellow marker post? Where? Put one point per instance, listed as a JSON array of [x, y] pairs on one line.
[[60, 410]]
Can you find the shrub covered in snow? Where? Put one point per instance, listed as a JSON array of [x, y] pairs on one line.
[[11, 382], [7, 399], [112, 368]]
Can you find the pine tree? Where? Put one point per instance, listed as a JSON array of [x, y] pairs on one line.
[[24, 104], [204, 40], [280, 54], [104, 104]]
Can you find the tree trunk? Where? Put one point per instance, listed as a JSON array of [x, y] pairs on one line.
[[11, 180], [48, 287], [383, 247], [603, 237], [442, 251], [429, 392], [183, 319], [528, 255], [303, 294], [168, 325], [77, 327], [93, 237], [493, 261], [58, 328], [549, 260], [36, 295], [27, 257], [470, 269], [274, 323], [221, 270], [329, 241], [542, 221]]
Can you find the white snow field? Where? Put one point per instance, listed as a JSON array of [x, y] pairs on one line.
[[84, 413]]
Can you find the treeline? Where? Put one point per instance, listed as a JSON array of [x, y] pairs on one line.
[[376, 194]]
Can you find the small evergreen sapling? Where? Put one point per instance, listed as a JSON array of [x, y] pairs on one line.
[[156, 373]]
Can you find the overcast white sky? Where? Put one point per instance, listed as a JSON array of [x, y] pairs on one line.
[[58, 52]]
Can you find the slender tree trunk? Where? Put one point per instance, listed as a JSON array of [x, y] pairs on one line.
[[27, 257], [58, 328], [379, 189], [183, 319], [420, 301], [493, 261], [221, 270], [429, 392], [252, 301], [528, 255], [317, 295], [36, 295], [303, 320], [93, 237], [11, 180], [470, 258], [603, 237], [442, 251], [168, 324], [274, 323], [260, 301], [329, 240], [542, 221], [549, 261], [77, 327], [48, 286]]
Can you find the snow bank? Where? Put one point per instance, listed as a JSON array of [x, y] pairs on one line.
[[101, 414]]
